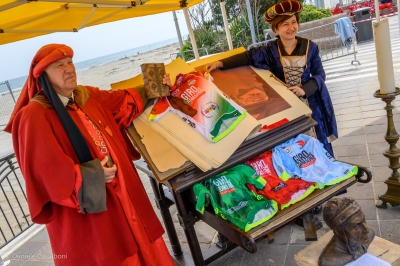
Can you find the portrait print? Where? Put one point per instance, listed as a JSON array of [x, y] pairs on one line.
[[244, 86]]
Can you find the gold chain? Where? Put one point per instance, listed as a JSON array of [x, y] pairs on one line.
[[99, 143]]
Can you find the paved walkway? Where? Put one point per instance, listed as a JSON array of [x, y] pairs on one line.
[[362, 125]]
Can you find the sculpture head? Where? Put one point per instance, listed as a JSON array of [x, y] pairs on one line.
[[346, 219], [351, 236]]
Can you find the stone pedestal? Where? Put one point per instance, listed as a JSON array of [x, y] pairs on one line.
[[379, 247]]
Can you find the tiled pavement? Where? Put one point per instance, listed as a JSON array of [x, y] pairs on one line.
[[362, 125]]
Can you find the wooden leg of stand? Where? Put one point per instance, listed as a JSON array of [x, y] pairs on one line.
[[270, 236], [187, 221], [310, 230], [166, 216]]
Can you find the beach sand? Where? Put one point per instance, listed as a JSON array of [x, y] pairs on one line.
[[125, 68]]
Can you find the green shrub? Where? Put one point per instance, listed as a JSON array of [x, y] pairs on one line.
[[239, 32], [214, 41], [311, 12]]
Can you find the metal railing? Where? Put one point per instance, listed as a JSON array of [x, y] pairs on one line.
[[5, 84], [14, 213], [329, 43], [7, 102], [189, 54]]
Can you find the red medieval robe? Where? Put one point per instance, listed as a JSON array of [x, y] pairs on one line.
[[50, 167]]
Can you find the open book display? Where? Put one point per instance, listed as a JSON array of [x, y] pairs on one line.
[[268, 102]]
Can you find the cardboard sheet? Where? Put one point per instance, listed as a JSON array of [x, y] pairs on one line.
[[188, 153], [198, 64], [174, 68], [194, 146], [164, 155], [175, 138]]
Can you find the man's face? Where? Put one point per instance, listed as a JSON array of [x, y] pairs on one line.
[[356, 229], [62, 76]]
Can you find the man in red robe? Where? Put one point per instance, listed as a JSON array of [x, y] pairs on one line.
[[80, 180]]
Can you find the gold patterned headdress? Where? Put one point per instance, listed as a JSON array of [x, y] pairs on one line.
[[288, 8]]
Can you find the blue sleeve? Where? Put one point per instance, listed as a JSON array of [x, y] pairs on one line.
[[316, 68], [259, 57]]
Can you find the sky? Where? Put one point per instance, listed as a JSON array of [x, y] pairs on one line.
[[93, 42]]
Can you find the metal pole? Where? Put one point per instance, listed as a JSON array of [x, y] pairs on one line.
[[398, 15], [178, 31], [377, 13], [191, 34], [227, 30], [354, 51], [12, 95], [253, 33]]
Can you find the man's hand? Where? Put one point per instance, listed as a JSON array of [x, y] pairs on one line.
[[299, 92], [166, 80], [109, 173], [214, 65]]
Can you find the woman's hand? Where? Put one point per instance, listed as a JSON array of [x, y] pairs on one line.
[[299, 92], [109, 172], [214, 65], [166, 80]]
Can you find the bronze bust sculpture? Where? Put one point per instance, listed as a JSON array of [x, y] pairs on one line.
[[351, 235]]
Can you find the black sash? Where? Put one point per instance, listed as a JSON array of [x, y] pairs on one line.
[[75, 136]]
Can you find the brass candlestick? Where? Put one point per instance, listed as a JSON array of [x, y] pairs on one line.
[[392, 194]]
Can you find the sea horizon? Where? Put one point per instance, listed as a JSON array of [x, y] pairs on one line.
[[17, 83]]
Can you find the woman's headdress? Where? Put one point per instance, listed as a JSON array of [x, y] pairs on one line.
[[288, 8]]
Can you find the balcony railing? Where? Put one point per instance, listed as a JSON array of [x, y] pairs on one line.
[[14, 213]]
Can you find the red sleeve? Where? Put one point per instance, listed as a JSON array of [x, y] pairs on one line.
[[37, 150], [72, 201], [125, 105]]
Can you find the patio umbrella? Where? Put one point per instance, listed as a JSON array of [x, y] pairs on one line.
[[23, 19]]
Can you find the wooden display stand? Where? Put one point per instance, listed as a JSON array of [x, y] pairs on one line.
[[178, 191]]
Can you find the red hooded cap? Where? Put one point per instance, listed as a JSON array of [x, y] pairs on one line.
[[46, 55], [288, 8]]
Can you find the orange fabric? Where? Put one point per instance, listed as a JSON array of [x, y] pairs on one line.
[[72, 201], [46, 55]]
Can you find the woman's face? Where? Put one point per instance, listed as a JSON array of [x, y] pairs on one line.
[[356, 229], [288, 29]]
